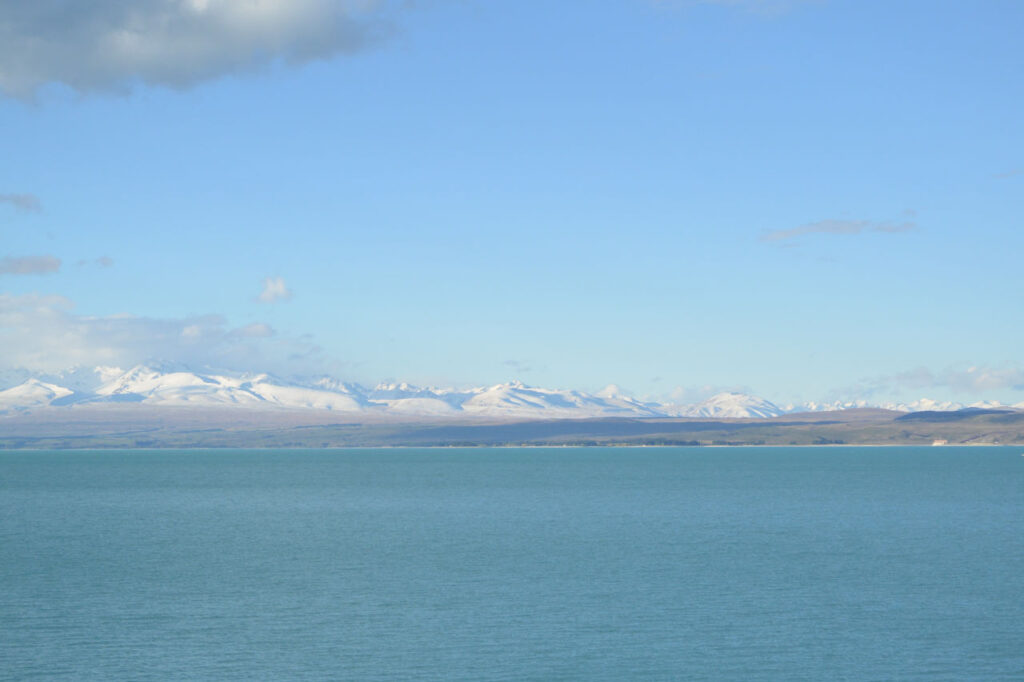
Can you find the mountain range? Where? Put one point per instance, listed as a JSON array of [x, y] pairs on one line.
[[163, 385]]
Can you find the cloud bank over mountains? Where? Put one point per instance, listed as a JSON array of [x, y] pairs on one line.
[[42, 334], [107, 45], [971, 380]]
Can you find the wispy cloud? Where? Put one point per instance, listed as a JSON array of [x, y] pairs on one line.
[[1009, 174], [838, 227], [107, 45], [29, 265], [102, 261], [518, 365], [23, 202], [274, 290], [978, 379]]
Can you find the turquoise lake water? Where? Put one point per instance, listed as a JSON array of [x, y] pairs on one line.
[[513, 564]]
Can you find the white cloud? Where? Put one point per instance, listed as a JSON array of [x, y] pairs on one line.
[[256, 330], [976, 380], [29, 265], [687, 395], [274, 290], [43, 334], [111, 44]]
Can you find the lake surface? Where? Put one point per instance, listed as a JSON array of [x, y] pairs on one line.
[[513, 564]]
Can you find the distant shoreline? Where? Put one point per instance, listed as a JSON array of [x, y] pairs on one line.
[[169, 428]]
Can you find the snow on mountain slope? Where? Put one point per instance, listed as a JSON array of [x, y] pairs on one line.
[[924, 405], [146, 382], [357, 392], [990, 405], [515, 399], [146, 385], [397, 391], [389, 394], [298, 396], [729, 406], [423, 406], [832, 406], [32, 393]]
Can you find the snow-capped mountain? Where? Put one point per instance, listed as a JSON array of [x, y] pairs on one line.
[[830, 406], [146, 385], [924, 405], [994, 405], [729, 406], [32, 393], [405, 398], [515, 399], [166, 385], [174, 386]]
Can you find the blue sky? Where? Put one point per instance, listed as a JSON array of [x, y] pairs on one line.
[[799, 199]]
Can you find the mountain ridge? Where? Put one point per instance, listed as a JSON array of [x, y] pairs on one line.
[[163, 385]]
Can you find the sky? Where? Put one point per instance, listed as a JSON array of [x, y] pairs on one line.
[[802, 200]]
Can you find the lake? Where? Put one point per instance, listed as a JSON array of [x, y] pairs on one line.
[[513, 564]]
